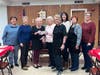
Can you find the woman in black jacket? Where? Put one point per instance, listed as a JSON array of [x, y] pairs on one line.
[[37, 40]]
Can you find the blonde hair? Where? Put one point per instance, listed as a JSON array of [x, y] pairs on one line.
[[25, 18], [50, 17], [57, 16]]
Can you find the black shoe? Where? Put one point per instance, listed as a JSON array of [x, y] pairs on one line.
[[87, 70], [53, 67], [49, 65], [74, 69], [39, 65], [11, 66], [70, 67], [59, 72], [17, 65], [35, 66], [83, 68]]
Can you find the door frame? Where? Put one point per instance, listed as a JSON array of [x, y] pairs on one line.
[[81, 9]]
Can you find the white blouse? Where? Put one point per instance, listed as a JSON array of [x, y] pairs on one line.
[[67, 25], [49, 31]]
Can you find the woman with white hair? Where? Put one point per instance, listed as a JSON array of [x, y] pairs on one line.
[[37, 40], [49, 40]]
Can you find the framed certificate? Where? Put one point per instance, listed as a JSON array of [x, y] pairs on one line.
[[42, 14]]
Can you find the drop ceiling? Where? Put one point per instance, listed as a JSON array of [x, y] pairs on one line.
[[43, 2]]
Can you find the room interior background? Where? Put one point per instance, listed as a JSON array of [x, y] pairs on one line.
[[33, 12]]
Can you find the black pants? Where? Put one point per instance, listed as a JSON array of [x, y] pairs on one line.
[[24, 54], [65, 55], [51, 54], [58, 59], [85, 50]]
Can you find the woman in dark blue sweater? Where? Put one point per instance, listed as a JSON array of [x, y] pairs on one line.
[[24, 37]]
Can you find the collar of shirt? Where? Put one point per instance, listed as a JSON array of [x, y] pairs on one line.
[[13, 26]]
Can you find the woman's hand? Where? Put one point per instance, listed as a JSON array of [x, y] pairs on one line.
[[77, 47], [89, 44], [62, 47], [21, 44], [38, 32]]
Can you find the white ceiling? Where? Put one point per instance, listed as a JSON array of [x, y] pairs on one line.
[[43, 2]]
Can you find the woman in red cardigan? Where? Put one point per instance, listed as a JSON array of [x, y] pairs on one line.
[[88, 39]]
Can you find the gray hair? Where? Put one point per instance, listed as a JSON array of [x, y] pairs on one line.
[[50, 17]]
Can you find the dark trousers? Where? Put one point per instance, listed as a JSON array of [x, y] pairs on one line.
[[74, 58], [24, 54], [51, 53], [87, 59], [58, 59], [65, 55], [36, 54]]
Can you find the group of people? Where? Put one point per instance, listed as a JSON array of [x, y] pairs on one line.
[[61, 36]]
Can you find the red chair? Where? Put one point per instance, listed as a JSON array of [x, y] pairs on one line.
[[4, 64]]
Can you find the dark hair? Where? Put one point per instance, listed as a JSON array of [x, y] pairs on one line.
[[65, 14], [13, 17]]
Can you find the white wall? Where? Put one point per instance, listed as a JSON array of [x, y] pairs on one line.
[[3, 20]]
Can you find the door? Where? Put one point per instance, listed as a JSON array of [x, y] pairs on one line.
[[80, 15]]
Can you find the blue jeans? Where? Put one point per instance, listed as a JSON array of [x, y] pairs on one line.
[[13, 56], [87, 59], [74, 58]]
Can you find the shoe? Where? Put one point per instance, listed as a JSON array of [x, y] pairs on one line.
[[49, 65], [59, 72], [87, 70], [83, 68], [54, 70], [17, 65], [25, 68], [11, 66], [35, 66], [70, 67], [74, 69], [53, 67], [39, 65]]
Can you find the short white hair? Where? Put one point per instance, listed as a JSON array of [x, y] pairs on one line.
[[50, 17], [25, 17], [38, 19]]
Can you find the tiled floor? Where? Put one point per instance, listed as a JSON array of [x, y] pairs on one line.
[[45, 70]]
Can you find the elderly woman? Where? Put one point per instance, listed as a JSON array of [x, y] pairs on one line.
[[24, 37], [49, 39], [10, 38], [88, 39], [37, 40], [74, 40], [59, 39]]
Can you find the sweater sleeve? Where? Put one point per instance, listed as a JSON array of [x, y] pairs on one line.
[[4, 37], [92, 33], [79, 34], [19, 35]]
